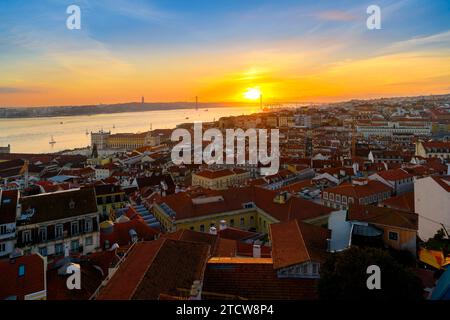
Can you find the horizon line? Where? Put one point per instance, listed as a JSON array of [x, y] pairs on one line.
[[250, 103]]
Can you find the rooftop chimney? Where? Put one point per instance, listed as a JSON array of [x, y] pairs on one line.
[[256, 251], [66, 251], [223, 225], [196, 290]]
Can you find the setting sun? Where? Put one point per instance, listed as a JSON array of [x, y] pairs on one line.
[[252, 93]]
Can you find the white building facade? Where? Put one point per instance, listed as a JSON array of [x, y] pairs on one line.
[[432, 204]]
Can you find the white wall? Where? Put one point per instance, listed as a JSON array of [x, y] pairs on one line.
[[432, 203], [340, 230]]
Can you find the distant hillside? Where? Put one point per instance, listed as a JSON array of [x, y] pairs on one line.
[[36, 112]]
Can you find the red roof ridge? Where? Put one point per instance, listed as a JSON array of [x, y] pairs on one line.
[[302, 239], [148, 266]]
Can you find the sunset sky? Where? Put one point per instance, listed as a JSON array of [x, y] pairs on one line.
[[174, 50]]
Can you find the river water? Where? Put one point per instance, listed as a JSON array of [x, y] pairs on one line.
[[32, 135]]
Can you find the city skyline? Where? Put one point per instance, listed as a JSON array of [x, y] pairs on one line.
[[173, 51]]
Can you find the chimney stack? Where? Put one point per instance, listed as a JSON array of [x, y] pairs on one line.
[[223, 225], [196, 290], [256, 251]]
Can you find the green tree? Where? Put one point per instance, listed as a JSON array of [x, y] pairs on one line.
[[344, 276]]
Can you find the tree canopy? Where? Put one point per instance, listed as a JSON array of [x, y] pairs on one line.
[[344, 277]]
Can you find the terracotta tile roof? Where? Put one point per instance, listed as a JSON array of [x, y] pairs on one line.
[[444, 182], [234, 199], [128, 276], [58, 205], [226, 248], [384, 216], [177, 265], [91, 278], [8, 205], [104, 259], [235, 234], [193, 236], [394, 174], [257, 182], [359, 191], [31, 282], [296, 242], [214, 174], [430, 145], [121, 233], [157, 267], [253, 278], [404, 202], [246, 250], [436, 165]]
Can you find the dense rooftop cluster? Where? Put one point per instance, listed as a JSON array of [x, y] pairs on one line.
[[354, 174]]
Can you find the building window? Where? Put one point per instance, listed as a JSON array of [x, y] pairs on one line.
[[252, 220], [89, 241], [74, 228], [88, 225], [74, 246], [242, 222], [202, 228], [305, 268], [232, 222], [2, 247], [3, 229], [43, 251], [393, 236], [315, 268], [59, 249], [26, 236], [59, 230], [42, 233]]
